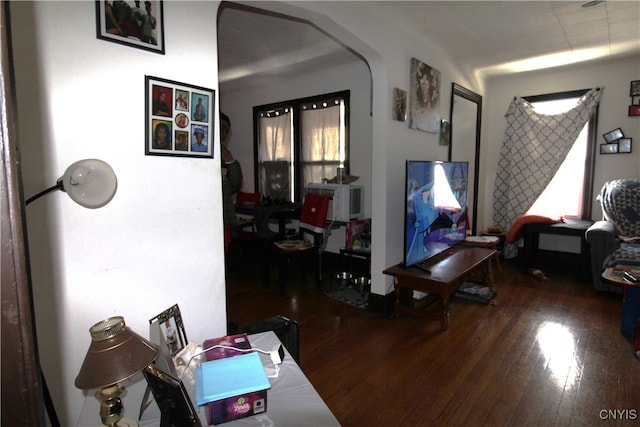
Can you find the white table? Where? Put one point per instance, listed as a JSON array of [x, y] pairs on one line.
[[291, 401]]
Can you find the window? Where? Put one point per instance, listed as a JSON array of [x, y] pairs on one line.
[[299, 142], [569, 192]]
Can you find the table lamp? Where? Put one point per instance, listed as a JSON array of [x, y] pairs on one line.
[[116, 353]]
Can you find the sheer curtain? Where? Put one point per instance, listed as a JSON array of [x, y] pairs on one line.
[[275, 155], [534, 147], [321, 149]]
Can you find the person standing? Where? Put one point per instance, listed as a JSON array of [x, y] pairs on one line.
[[197, 145], [200, 114], [148, 26], [231, 179]]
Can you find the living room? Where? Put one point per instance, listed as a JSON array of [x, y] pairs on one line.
[[80, 97]]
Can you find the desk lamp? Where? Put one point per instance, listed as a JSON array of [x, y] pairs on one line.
[[116, 353], [89, 182]]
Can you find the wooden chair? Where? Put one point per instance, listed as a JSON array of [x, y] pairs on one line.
[[244, 233], [309, 241]]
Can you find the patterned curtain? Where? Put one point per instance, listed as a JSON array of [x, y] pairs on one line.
[[534, 147]]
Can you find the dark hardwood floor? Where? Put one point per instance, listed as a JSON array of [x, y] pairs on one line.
[[549, 353]]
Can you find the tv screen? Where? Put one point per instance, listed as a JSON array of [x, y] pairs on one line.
[[435, 208]]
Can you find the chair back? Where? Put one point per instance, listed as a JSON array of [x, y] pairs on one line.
[[620, 201], [313, 214], [243, 198]]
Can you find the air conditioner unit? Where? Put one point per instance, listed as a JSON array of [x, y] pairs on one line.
[[346, 202]]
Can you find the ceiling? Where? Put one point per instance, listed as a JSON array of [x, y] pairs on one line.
[[492, 37]]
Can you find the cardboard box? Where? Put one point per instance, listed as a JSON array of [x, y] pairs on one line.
[[240, 341], [237, 407], [358, 234], [241, 405]]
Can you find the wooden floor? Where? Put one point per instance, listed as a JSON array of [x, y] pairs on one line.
[[549, 353]]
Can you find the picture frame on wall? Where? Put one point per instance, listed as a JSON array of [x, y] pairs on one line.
[[445, 132], [399, 104], [624, 145], [138, 24], [179, 119], [609, 148], [634, 110], [635, 88], [424, 97], [613, 135]]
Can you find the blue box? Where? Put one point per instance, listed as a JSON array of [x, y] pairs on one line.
[[630, 310], [232, 383]]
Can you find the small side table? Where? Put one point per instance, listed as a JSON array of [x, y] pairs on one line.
[[486, 241], [630, 302], [363, 254]]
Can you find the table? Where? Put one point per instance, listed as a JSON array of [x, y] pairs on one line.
[[630, 299], [485, 241], [291, 400], [262, 214], [570, 227], [363, 254], [447, 271]]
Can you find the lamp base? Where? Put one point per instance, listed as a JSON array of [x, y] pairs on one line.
[[124, 422]]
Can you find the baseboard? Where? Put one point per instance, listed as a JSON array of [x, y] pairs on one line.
[[381, 305]]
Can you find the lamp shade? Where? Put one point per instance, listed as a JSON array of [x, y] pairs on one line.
[[115, 354], [90, 183]]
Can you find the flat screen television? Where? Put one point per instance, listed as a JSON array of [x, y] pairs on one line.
[[435, 208]]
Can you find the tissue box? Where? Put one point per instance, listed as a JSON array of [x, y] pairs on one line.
[[245, 403], [236, 407]]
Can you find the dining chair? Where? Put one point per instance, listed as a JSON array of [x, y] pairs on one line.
[[308, 241]]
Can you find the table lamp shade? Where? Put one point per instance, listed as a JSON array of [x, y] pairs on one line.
[[115, 354]]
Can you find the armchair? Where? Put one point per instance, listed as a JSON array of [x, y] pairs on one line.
[[615, 240]]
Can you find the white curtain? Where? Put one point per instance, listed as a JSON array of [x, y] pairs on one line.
[[275, 138], [534, 147], [275, 156], [320, 132]]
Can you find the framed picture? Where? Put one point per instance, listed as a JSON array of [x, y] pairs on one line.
[[172, 398], [634, 110], [613, 135], [609, 148], [170, 322], [179, 119], [624, 145], [635, 88], [137, 24], [424, 97], [445, 132], [399, 104]]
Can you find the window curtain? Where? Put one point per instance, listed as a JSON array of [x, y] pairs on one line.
[[275, 155], [275, 138], [534, 147], [320, 154]]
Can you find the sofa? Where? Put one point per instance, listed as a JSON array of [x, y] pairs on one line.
[[615, 240]]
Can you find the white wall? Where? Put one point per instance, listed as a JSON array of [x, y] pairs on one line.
[[613, 75], [159, 241]]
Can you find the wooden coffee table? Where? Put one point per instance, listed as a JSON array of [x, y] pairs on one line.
[[447, 271]]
